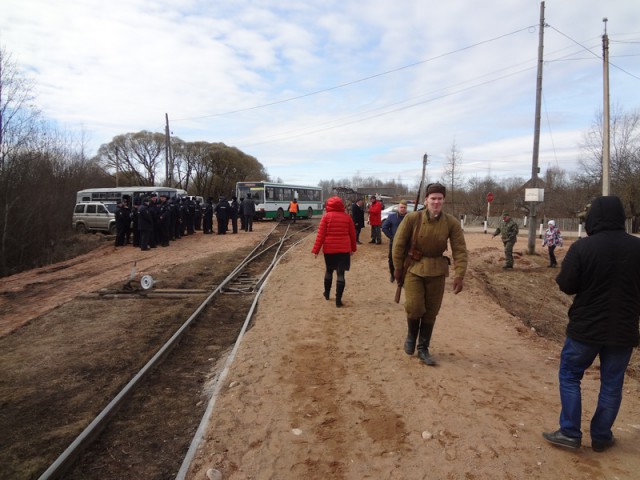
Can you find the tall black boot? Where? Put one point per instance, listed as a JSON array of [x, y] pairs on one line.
[[424, 338], [413, 327], [327, 287], [339, 289]]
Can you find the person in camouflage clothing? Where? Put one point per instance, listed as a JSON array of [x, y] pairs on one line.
[[508, 230]]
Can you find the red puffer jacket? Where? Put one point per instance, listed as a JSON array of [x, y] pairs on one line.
[[375, 214], [336, 233]]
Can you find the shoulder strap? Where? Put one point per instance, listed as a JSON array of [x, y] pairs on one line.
[[416, 230]]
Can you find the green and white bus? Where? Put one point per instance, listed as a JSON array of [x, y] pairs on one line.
[[272, 199]]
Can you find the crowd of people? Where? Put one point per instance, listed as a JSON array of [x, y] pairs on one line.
[[156, 220], [602, 271]]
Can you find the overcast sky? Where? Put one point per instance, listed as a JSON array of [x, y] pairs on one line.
[[321, 89]]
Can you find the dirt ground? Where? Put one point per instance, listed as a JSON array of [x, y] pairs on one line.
[[318, 392], [321, 392]]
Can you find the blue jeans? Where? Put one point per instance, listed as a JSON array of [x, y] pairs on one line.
[[576, 357]]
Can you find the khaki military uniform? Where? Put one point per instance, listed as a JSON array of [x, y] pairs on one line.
[[425, 279]]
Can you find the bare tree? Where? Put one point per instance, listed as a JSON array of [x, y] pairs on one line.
[[624, 159], [134, 157], [451, 172]]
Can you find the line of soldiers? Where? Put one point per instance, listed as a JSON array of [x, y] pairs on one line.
[[157, 219]]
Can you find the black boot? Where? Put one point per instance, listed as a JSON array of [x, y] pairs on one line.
[[424, 338], [413, 327], [327, 287], [339, 289]]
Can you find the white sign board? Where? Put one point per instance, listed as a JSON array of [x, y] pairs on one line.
[[534, 194]]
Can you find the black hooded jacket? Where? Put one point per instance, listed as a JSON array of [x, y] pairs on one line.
[[603, 272]]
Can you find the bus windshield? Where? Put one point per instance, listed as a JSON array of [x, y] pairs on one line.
[[257, 192]]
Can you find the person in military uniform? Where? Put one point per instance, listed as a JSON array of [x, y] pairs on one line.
[[155, 214], [123, 222], [508, 230], [197, 217], [165, 220], [207, 217], [233, 213], [137, 202], [222, 215], [248, 211], [145, 223], [191, 216], [421, 267]]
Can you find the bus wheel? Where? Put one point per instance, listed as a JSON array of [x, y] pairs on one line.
[[81, 228], [280, 215], [310, 212]]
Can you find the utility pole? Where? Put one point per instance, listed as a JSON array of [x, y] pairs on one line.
[[168, 161], [425, 159], [536, 136], [605, 113]]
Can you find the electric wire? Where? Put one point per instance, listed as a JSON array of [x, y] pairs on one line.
[[360, 80], [594, 54]]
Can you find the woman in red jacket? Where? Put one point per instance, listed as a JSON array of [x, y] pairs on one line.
[[337, 238]]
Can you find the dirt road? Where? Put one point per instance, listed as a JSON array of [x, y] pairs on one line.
[[318, 392]]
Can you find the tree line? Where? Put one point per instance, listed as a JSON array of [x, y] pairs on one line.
[[566, 194]]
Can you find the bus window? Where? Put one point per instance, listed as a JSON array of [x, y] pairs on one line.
[[287, 194]]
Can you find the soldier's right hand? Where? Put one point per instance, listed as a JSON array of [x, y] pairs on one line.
[[397, 274]]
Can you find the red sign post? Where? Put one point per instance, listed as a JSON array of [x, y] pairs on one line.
[[489, 200]]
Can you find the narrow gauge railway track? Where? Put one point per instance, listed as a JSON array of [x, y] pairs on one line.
[[146, 429]]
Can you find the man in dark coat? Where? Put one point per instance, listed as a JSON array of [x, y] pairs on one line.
[[155, 214], [603, 272], [241, 213], [390, 227], [123, 222], [222, 215], [145, 224], [207, 218], [233, 213], [165, 219], [357, 213], [190, 215], [248, 210]]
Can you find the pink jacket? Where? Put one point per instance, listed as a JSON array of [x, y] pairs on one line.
[[336, 233]]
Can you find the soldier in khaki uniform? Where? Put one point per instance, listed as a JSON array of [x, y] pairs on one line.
[[422, 268]]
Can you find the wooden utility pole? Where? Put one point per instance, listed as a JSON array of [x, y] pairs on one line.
[[605, 113], [425, 159], [168, 160], [536, 136]]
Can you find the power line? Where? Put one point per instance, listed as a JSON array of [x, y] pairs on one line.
[[594, 54], [388, 112], [364, 79]]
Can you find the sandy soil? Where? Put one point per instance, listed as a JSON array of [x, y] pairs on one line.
[[324, 393], [318, 392], [29, 294]]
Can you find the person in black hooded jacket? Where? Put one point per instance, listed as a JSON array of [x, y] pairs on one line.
[[603, 272]]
